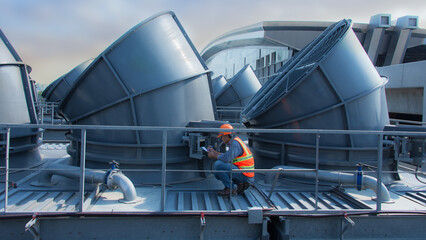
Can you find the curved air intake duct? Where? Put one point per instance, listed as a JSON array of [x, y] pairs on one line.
[[329, 84], [151, 76], [238, 90], [59, 89], [17, 106], [218, 83]]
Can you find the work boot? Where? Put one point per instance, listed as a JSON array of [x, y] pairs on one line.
[[242, 187], [225, 192]]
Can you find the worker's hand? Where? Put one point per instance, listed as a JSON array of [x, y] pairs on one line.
[[212, 153]]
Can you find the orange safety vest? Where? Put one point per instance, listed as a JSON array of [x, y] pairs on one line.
[[246, 160]]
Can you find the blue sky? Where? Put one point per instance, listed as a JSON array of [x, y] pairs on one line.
[[54, 36]]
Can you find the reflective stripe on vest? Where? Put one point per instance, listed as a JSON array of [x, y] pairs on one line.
[[246, 160]]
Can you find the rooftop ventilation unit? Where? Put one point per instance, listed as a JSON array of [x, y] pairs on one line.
[[239, 89], [329, 84], [17, 106], [380, 20], [59, 89], [218, 83], [410, 22], [151, 76]]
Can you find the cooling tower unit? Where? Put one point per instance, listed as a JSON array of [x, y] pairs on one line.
[[151, 76], [59, 89], [329, 84], [17, 106], [218, 83], [238, 90]]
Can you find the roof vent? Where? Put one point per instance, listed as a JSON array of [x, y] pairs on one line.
[[380, 20], [329, 84], [410, 22], [151, 76], [17, 106]]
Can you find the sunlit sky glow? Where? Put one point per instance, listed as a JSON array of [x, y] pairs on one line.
[[54, 36]]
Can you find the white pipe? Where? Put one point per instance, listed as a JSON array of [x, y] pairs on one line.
[[334, 177], [114, 180]]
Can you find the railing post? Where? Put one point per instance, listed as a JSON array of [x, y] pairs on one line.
[[53, 112], [282, 157], [163, 172], [316, 170], [6, 181], [82, 167], [42, 119], [379, 172]]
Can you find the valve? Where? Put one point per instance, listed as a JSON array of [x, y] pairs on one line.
[[359, 174], [113, 170], [114, 164]]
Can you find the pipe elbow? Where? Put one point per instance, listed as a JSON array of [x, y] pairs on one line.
[[371, 182], [118, 180]]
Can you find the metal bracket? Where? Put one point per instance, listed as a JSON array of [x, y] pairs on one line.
[[265, 233], [255, 215], [345, 227], [203, 225], [33, 227], [196, 141]]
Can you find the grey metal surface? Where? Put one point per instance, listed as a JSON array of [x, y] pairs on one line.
[[151, 76], [196, 200], [292, 203], [17, 106], [330, 84], [218, 83], [44, 200], [239, 89], [59, 89]]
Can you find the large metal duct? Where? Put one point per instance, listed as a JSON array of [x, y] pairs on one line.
[[151, 76], [239, 89], [17, 106], [329, 84], [218, 83], [58, 89]]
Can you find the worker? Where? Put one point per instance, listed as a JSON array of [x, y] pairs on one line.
[[237, 157]]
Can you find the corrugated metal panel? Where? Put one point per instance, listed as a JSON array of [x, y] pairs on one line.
[[186, 200], [419, 197], [43, 201], [306, 201]]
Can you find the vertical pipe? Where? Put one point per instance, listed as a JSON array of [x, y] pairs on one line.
[[316, 170], [282, 153], [379, 173], [42, 120], [163, 172], [6, 181], [53, 112], [82, 167]]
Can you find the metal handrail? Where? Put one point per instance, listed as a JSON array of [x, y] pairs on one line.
[[398, 121], [165, 130]]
